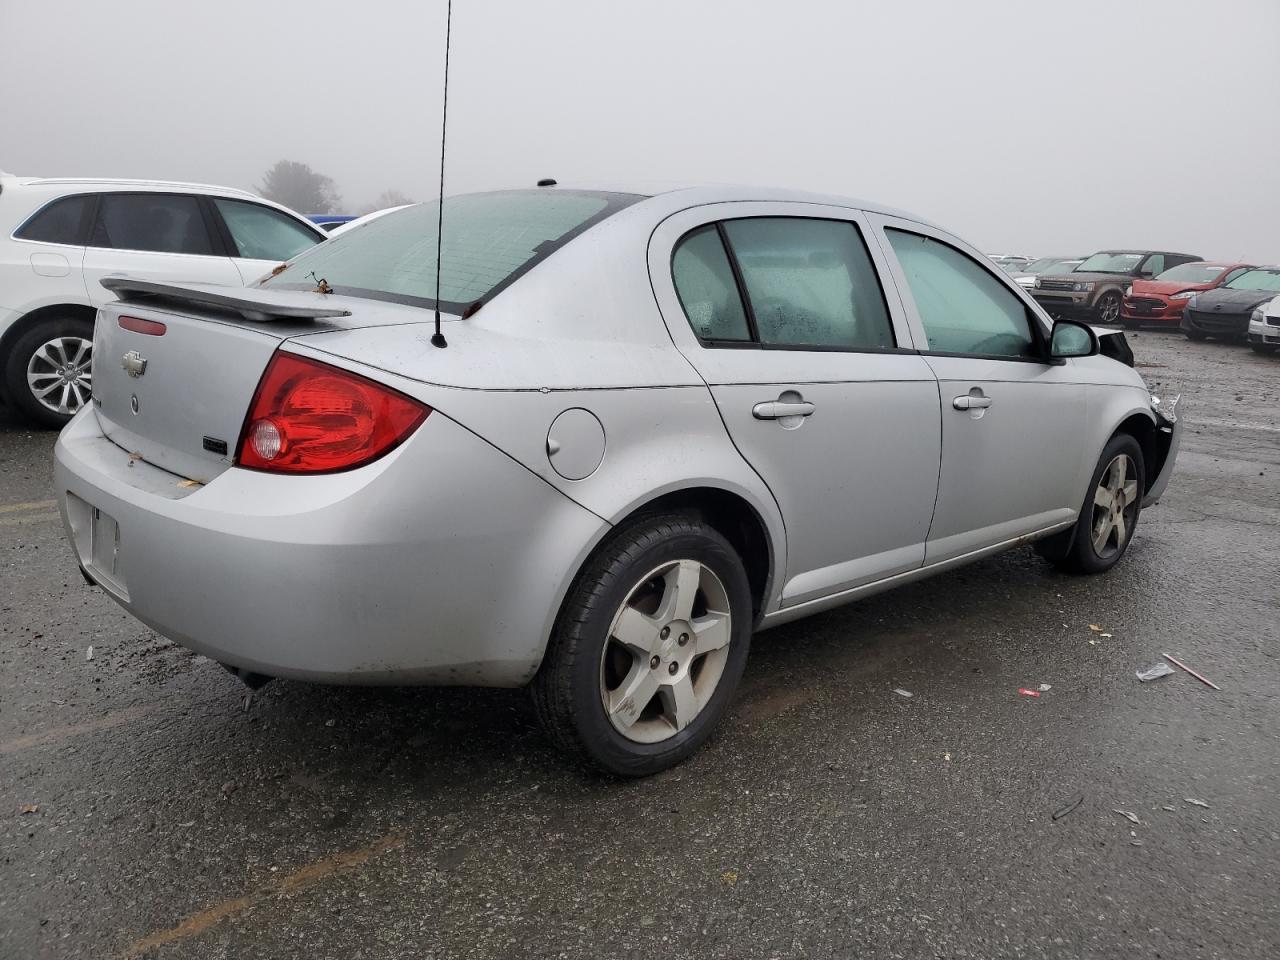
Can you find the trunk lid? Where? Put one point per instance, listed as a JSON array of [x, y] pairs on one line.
[[178, 399]]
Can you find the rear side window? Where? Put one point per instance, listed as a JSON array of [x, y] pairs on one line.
[[1154, 265], [261, 233], [963, 307], [60, 222], [152, 222], [810, 283], [704, 282]]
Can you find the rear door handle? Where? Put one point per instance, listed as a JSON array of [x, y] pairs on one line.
[[777, 409], [971, 403]]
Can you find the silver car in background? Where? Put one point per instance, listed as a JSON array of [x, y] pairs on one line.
[[660, 423]]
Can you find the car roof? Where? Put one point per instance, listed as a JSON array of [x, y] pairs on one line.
[[1167, 253], [120, 183]]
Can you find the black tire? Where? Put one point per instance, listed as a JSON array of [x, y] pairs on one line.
[[1073, 550], [567, 690], [17, 391], [1108, 305], [1263, 348], [1195, 335]]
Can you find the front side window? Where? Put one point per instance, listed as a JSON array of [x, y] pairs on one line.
[[704, 282], [260, 233], [151, 222], [490, 239], [60, 222], [963, 307], [810, 283]]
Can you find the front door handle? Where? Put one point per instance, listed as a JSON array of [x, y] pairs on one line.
[[968, 402], [780, 409]]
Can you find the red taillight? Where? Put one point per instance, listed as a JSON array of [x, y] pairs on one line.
[[152, 328], [309, 417]]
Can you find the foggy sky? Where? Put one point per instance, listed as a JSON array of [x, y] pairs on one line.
[[1027, 127]]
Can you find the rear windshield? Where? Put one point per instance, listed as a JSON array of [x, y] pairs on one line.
[[490, 239], [1257, 280], [1192, 273]]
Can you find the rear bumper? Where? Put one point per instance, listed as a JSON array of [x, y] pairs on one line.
[[443, 562]]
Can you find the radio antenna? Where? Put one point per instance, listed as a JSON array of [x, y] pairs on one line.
[[437, 338]]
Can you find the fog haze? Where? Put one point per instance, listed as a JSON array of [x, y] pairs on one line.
[[1026, 127]]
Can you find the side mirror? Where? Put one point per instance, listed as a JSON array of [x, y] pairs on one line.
[[1071, 339]]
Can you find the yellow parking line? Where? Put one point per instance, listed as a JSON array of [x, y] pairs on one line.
[[31, 518], [300, 879], [74, 730], [33, 505]]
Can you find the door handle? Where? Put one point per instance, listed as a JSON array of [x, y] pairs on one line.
[[968, 402], [778, 409]]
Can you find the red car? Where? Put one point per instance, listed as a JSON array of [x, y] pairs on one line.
[[1161, 299]]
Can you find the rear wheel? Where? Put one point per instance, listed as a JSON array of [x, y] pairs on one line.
[[1107, 519], [47, 374], [1107, 309], [648, 648]]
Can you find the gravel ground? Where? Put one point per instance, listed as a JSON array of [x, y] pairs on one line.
[[175, 817]]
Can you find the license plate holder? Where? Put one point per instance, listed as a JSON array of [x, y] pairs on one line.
[[103, 558]]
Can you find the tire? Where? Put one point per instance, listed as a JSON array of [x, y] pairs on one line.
[[1195, 335], [1263, 348], [1107, 309], [57, 343], [581, 692], [1077, 550]]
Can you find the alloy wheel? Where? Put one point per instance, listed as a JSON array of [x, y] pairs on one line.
[[60, 376], [666, 651], [1109, 309], [1115, 506]]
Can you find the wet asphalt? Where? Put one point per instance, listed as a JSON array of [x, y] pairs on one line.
[[148, 808]]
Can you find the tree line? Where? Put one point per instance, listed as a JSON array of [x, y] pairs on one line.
[[298, 187]]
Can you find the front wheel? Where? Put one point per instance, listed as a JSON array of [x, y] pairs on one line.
[[648, 648], [1108, 308], [1107, 519], [48, 374]]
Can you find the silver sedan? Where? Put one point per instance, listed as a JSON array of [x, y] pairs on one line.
[[651, 426]]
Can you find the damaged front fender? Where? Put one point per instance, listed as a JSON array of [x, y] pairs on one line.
[[1168, 437]]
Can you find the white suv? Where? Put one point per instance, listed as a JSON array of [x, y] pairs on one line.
[[58, 238]]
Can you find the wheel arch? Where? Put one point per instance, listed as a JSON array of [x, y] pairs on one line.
[[1141, 425], [32, 318]]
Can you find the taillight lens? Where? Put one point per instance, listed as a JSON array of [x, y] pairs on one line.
[[309, 417]]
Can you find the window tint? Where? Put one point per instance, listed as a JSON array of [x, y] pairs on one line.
[[155, 222], [260, 233], [963, 307], [704, 282], [59, 222], [810, 283], [1154, 264]]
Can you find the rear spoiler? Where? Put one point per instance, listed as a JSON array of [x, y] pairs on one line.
[[259, 305]]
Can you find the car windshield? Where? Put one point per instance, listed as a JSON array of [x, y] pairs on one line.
[[490, 239], [1110, 263], [1049, 264], [1192, 273], [1257, 280]]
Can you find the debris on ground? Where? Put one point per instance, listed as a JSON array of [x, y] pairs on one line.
[[330, 723], [88, 654], [1068, 807], [229, 788], [1161, 669], [947, 757], [1045, 687], [1028, 693], [1203, 679], [28, 808], [1169, 806], [730, 877], [1095, 628], [1192, 800], [903, 693], [1128, 815]]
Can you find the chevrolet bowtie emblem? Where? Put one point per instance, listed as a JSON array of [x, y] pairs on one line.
[[134, 363]]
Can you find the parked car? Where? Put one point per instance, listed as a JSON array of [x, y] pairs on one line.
[[328, 222], [1225, 312], [653, 426], [1162, 299], [358, 221], [1264, 327], [1026, 277], [59, 237], [1093, 290], [1009, 264]]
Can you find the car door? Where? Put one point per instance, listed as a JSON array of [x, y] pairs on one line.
[[1013, 423], [780, 309], [261, 237], [154, 236]]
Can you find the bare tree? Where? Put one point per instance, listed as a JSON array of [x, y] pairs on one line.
[[300, 188], [387, 198]]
